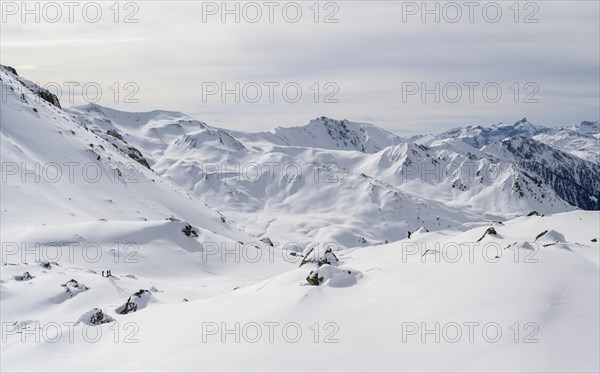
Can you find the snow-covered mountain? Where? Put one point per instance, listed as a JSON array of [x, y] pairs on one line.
[[288, 193], [582, 140], [331, 246], [368, 175], [574, 180], [478, 136], [70, 174], [326, 133], [466, 178]]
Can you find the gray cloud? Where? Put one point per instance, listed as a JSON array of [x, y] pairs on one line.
[[369, 54]]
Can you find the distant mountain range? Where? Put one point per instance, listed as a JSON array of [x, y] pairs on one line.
[[582, 140]]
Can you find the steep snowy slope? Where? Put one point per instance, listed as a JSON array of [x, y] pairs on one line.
[[523, 296], [574, 180], [582, 140], [461, 176], [56, 171]]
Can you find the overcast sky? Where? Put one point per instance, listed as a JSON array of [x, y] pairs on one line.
[[370, 60]]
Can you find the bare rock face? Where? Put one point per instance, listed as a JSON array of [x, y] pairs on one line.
[[9, 69], [189, 231], [267, 241], [491, 231], [114, 137], [48, 96]]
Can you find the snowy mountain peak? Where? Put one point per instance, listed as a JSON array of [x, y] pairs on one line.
[[524, 120], [586, 128], [9, 69], [327, 133], [478, 136]]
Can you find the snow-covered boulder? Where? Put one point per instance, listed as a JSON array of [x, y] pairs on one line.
[[491, 231], [333, 276], [24, 277], [137, 301], [550, 237], [320, 256], [73, 287], [95, 317]]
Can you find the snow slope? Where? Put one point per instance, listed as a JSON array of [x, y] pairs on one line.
[[57, 171], [532, 304]]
